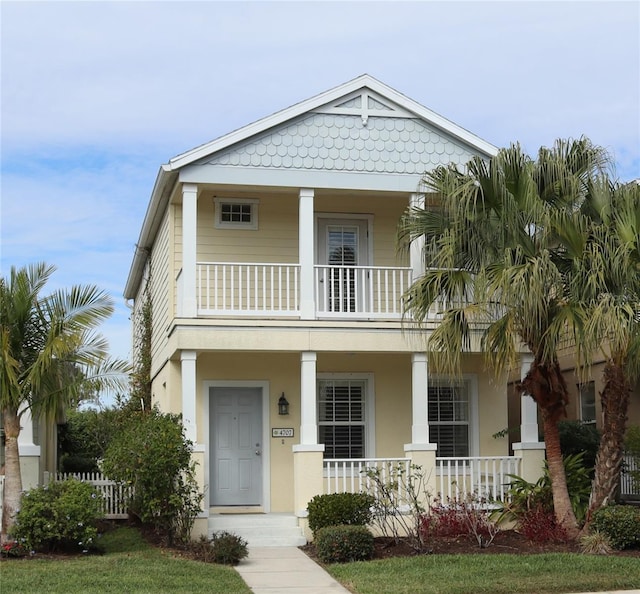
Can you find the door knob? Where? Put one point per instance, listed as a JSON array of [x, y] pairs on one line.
[[258, 452]]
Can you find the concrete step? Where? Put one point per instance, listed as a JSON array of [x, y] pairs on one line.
[[260, 530]]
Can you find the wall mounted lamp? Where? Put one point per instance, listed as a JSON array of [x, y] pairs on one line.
[[283, 405]]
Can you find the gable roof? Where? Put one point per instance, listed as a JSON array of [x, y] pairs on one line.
[[363, 96], [337, 96]]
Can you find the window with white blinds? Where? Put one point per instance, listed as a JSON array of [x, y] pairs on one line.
[[342, 418], [449, 418]]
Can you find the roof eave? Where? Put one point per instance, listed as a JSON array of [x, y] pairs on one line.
[[160, 195]]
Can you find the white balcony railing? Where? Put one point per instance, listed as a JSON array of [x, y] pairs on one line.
[[260, 289], [360, 291], [225, 288]]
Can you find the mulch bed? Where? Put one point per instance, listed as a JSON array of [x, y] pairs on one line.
[[505, 542]]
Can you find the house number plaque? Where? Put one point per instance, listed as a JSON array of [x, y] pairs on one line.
[[282, 432]]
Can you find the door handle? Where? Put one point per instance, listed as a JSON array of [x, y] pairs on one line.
[[258, 452]]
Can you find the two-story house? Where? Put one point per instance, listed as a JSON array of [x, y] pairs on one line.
[[269, 259]]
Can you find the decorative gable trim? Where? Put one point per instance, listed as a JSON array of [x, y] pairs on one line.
[[365, 103]]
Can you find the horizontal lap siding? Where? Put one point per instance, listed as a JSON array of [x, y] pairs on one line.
[[162, 279], [275, 240]]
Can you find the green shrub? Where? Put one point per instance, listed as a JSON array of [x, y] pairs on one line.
[[621, 523], [340, 509], [341, 544], [228, 549], [223, 548], [151, 454], [527, 496], [62, 515]]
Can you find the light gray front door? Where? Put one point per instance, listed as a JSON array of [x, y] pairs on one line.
[[236, 445]]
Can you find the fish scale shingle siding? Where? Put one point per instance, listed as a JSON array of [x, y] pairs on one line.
[[334, 142]]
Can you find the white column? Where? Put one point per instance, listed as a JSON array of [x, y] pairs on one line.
[[188, 374], [529, 449], [416, 255], [189, 249], [306, 250], [29, 452], [25, 439], [528, 407], [419, 388], [421, 453], [308, 407]]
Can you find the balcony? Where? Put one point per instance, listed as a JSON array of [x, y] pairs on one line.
[[274, 289]]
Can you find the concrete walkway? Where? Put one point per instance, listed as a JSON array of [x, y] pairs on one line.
[[287, 570]]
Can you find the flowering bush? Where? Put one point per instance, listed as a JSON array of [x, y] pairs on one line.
[[62, 515], [12, 549]]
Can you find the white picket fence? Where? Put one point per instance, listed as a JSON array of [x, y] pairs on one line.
[[114, 496]]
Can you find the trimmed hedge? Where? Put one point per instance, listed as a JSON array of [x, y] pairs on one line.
[[341, 544], [621, 523], [338, 509]]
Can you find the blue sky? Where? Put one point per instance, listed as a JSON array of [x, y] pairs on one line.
[[95, 96]]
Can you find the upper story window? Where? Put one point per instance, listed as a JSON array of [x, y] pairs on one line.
[[238, 213], [587, 402]]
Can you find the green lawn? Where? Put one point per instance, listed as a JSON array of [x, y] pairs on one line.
[[129, 565], [490, 574]]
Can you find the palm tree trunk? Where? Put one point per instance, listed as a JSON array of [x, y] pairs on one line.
[[545, 383], [563, 510], [615, 402], [12, 475]]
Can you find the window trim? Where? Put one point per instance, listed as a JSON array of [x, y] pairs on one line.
[[471, 379], [369, 406], [220, 224]]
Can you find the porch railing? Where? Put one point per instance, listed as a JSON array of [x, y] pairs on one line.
[[361, 291], [115, 496], [273, 289], [351, 475], [484, 477], [225, 288], [629, 488]]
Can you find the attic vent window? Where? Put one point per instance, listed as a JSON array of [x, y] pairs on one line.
[[238, 213]]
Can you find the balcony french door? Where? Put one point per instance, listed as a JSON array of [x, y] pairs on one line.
[[342, 248]]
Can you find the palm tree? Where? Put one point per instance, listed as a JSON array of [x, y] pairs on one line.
[[48, 353], [609, 285], [496, 237]]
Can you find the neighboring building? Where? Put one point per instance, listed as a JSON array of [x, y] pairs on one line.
[[269, 257]]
